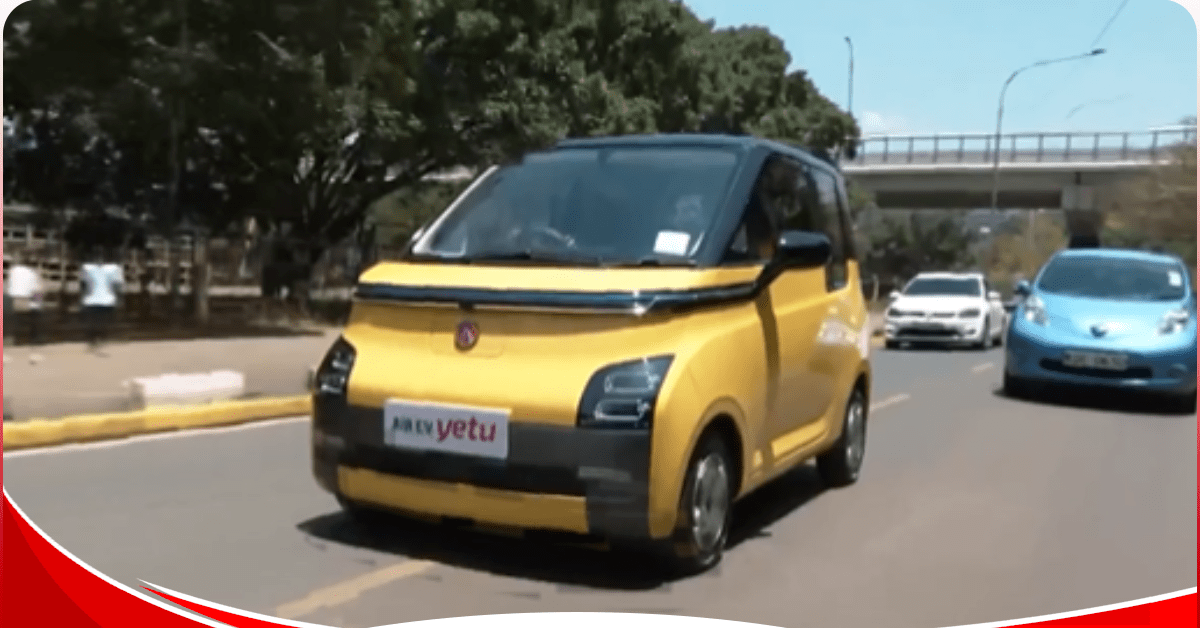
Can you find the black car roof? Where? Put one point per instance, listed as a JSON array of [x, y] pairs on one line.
[[743, 142]]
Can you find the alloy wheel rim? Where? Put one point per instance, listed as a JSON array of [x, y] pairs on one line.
[[710, 502], [855, 433]]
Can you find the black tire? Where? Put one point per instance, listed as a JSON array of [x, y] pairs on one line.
[[985, 337], [694, 547], [362, 515], [840, 466], [1183, 404], [1016, 387]]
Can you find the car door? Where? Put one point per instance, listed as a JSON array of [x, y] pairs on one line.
[[809, 304], [840, 348], [791, 309]]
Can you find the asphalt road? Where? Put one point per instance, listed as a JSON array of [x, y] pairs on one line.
[[972, 507]]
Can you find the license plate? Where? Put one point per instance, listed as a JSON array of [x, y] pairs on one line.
[[481, 432], [1106, 361], [928, 325]]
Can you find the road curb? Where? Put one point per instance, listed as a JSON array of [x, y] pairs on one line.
[[94, 427]]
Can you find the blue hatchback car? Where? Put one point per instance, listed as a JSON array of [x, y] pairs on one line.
[[1116, 318]]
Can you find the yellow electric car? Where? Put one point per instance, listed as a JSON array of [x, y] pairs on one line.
[[615, 337]]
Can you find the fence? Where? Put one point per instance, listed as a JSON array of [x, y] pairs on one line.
[[1147, 146]]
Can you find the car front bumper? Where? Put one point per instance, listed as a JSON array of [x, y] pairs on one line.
[[1169, 368], [948, 330], [564, 479]]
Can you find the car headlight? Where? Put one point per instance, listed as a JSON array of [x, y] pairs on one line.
[[1174, 321], [334, 372], [623, 395], [970, 313], [894, 313], [1034, 310]]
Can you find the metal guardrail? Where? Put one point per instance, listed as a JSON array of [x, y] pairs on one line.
[[977, 148]]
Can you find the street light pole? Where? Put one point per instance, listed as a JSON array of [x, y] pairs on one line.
[[1000, 119], [850, 91]]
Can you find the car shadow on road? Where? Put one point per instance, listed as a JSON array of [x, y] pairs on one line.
[[1104, 399], [563, 563], [939, 348]]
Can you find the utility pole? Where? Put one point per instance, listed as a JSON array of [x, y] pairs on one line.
[[850, 90], [1000, 119]]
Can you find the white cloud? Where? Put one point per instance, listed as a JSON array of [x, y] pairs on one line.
[[874, 123]]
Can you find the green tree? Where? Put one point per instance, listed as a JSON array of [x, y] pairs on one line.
[[1158, 209]]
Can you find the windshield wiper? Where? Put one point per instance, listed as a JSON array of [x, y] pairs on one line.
[[655, 260], [536, 256]]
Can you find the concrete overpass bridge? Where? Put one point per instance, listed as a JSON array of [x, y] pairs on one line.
[[1069, 171]]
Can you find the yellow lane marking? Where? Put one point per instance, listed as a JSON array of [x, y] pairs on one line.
[[348, 590]]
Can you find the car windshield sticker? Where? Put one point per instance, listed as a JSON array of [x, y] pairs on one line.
[[672, 243], [1175, 278]]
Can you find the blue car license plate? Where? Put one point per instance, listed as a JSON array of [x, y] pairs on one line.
[[1096, 360]]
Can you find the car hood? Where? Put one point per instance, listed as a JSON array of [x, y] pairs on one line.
[[1097, 318], [532, 277], [936, 303], [632, 290]]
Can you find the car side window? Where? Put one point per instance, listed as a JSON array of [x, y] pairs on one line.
[[774, 193], [830, 219]]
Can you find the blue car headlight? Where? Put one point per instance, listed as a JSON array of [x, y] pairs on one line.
[[1034, 311], [1174, 321], [623, 395]]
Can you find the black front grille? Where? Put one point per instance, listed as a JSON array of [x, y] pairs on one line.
[[1137, 372], [440, 467], [927, 333]]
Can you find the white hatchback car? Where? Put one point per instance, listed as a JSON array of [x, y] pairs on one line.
[[946, 308]]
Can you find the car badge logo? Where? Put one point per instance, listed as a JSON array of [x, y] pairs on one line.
[[1099, 329], [466, 336]]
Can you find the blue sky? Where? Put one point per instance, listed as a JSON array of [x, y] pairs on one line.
[[938, 65]]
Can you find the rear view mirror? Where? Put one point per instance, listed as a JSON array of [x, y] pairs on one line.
[[804, 249], [894, 295], [993, 296], [1023, 288]]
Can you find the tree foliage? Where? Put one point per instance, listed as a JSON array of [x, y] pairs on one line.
[[305, 114], [1158, 209], [904, 243]]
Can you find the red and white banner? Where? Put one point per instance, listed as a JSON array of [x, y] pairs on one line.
[[44, 585]]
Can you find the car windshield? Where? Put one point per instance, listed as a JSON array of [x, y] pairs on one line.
[[1112, 278], [943, 286], [589, 206]]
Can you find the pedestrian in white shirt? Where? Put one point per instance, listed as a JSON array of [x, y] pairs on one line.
[[102, 284], [24, 286]]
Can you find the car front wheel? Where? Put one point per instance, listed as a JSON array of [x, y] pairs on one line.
[[705, 508]]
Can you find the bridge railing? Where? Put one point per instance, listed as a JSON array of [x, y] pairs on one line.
[[1144, 146]]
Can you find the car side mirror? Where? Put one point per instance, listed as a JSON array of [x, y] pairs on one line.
[[893, 295], [804, 249], [1022, 289], [993, 296]]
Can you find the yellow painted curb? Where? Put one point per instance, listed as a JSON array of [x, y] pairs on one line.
[[92, 427]]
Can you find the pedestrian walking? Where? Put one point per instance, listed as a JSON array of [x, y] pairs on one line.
[[103, 281], [24, 287]]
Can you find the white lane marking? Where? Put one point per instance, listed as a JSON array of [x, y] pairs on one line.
[[348, 590], [979, 368], [894, 399], [146, 438]]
